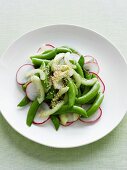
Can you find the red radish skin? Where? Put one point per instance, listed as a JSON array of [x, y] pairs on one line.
[[94, 64], [45, 47], [92, 121], [68, 124], [50, 45], [18, 72], [101, 82], [40, 123]]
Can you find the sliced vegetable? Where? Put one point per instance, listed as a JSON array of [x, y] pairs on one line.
[[21, 73], [94, 118], [92, 67], [102, 85], [31, 91], [37, 82], [38, 120], [49, 112], [45, 47], [89, 58]]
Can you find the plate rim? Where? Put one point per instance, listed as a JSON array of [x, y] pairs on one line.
[[65, 25]]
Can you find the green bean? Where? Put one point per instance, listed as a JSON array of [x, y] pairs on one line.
[[74, 109], [79, 70], [81, 61], [37, 62], [32, 112], [56, 122], [24, 102], [48, 56], [71, 93], [95, 105], [88, 96]]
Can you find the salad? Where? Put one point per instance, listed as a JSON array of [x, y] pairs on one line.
[[62, 85]]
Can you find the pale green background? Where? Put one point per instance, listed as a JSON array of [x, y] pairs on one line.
[[107, 17]]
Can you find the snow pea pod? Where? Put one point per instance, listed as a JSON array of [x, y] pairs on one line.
[[62, 50], [95, 105], [56, 122], [88, 96], [24, 102], [38, 62], [79, 69], [71, 93], [32, 112], [48, 56], [74, 109]]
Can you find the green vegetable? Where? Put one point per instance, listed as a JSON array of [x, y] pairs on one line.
[[88, 96], [56, 122], [24, 102], [81, 62], [32, 112], [62, 50], [48, 56], [71, 93], [63, 84], [95, 105], [79, 70], [38, 84], [51, 93], [37, 62], [49, 112], [72, 50], [74, 109]]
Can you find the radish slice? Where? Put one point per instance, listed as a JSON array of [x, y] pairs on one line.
[[38, 120], [68, 123], [71, 56], [102, 85], [21, 73], [45, 47], [92, 67], [89, 58], [31, 91], [71, 117], [94, 118]]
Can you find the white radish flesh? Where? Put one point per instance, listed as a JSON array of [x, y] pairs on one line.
[[89, 58], [94, 118], [21, 73], [38, 120], [32, 91], [92, 67]]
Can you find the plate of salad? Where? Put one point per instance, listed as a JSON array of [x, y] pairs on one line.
[[63, 86]]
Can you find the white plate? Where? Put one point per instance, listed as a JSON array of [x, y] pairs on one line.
[[113, 71]]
